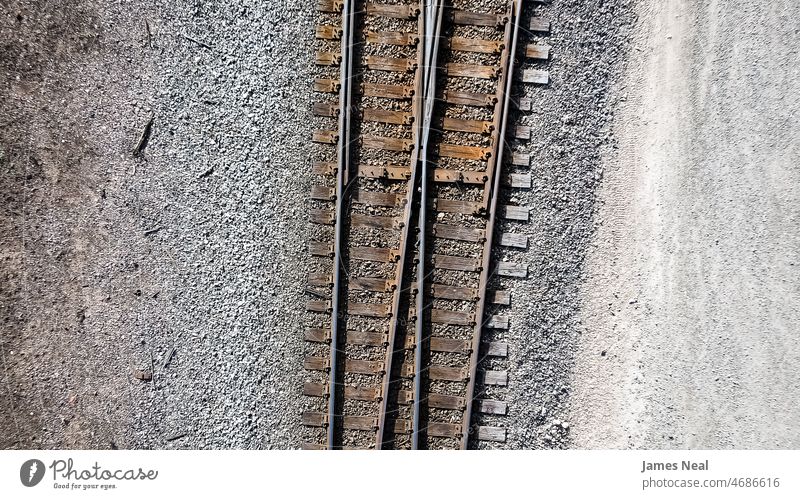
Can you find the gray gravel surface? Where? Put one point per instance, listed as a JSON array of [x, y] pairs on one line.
[[192, 246], [570, 128]]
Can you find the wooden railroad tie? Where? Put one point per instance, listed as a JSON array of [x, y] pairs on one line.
[[454, 403], [444, 292], [397, 11], [453, 430], [399, 65], [386, 143], [524, 104], [375, 222], [389, 117], [376, 284], [320, 248], [362, 423], [500, 297], [384, 172], [469, 98], [457, 151], [321, 306], [371, 254], [356, 366], [468, 126], [325, 168], [459, 177], [328, 32], [315, 363], [495, 378], [497, 322], [466, 18], [451, 345], [325, 136], [317, 335], [497, 349], [519, 181], [362, 338], [491, 434], [489, 406], [387, 91], [367, 338], [444, 430], [510, 212], [522, 132], [458, 206], [464, 264], [351, 392], [392, 38], [325, 109], [514, 240], [453, 69], [447, 373], [534, 51], [321, 279], [509, 269], [323, 193], [458, 233], [377, 198], [328, 58], [330, 6], [452, 317], [540, 25], [369, 309], [520, 159], [321, 217], [536, 76], [479, 46], [326, 85]]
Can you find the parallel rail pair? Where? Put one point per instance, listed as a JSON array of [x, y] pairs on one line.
[[404, 145]]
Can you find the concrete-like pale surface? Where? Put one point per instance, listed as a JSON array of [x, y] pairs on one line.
[[690, 305]]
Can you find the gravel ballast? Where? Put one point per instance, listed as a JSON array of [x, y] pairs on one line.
[[570, 122], [194, 245]]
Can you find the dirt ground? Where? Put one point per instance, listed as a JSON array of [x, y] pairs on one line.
[[62, 345], [691, 299], [178, 263]]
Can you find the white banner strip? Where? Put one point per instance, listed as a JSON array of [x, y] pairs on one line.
[[138, 474]]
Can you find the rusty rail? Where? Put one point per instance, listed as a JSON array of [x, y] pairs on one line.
[[433, 27], [422, 158], [404, 249], [342, 176], [516, 12]]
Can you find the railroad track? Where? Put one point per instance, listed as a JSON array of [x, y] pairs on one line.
[[412, 119]]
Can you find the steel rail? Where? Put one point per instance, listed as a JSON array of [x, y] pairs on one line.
[[432, 35], [342, 172], [516, 11], [497, 122], [404, 244]]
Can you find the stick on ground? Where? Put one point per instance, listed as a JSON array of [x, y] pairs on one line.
[[144, 137], [202, 44]]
